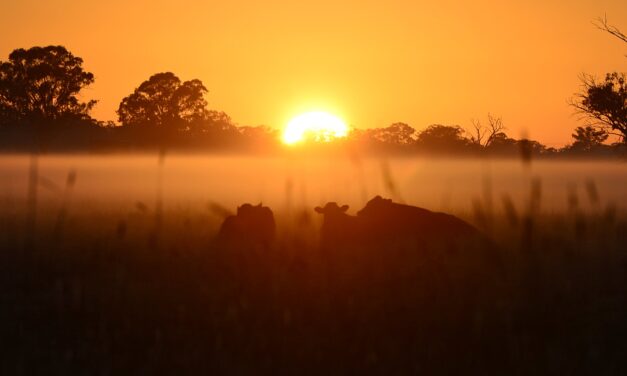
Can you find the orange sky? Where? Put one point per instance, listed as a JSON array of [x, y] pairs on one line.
[[370, 62]]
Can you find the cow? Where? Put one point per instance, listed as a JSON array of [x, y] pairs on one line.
[[252, 226], [338, 228], [383, 222], [405, 251]]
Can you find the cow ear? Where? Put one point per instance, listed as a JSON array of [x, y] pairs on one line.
[[344, 208], [319, 210]]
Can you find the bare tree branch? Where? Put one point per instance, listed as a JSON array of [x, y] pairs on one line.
[[602, 24], [478, 132], [496, 127]]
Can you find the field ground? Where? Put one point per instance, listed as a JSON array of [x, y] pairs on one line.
[[90, 285], [105, 292]]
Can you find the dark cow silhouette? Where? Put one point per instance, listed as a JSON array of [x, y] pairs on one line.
[[338, 228], [252, 226], [387, 220], [383, 222]]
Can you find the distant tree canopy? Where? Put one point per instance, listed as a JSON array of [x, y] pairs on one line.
[[446, 139], [164, 101], [503, 144], [442, 137], [588, 138], [605, 103], [396, 134], [41, 84]]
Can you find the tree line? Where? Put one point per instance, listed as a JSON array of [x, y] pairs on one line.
[[41, 109]]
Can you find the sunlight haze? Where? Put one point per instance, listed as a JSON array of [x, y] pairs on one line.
[[318, 125]]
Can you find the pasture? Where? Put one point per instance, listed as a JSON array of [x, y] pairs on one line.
[[114, 270]]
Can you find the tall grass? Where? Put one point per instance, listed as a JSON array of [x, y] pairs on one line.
[[147, 291]]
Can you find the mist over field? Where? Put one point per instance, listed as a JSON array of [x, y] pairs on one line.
[[194, 181]]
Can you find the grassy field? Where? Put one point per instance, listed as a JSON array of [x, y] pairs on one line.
[[100, 291], [92, 282]]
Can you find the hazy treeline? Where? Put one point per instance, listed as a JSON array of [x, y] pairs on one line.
[[41, 109]]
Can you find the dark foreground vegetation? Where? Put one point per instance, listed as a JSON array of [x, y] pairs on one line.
[[102, 292]]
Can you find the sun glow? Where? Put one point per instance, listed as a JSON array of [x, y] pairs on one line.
[[316, 126]]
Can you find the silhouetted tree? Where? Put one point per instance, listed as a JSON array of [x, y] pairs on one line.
[[216, 129], [259, 132], [605, 103], [395, 134], [484, 135], [259, 138], [442, 138], [502, 144], [588, 138], [212, 122], [220, 120], [164, 101], [528, 148], [40, 85]]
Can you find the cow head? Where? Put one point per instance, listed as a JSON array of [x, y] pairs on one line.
[[337, 226], [332, 209], [246, 210], [252, 224], [255, 213]]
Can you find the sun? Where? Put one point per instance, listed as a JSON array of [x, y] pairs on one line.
[[316, 126]]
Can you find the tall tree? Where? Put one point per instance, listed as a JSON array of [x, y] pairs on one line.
[[165, 101], [41, 84], [604, 103]]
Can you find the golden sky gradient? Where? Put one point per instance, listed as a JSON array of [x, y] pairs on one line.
[[370, 62]]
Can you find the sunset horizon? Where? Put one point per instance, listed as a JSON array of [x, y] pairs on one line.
[[419, 64]]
